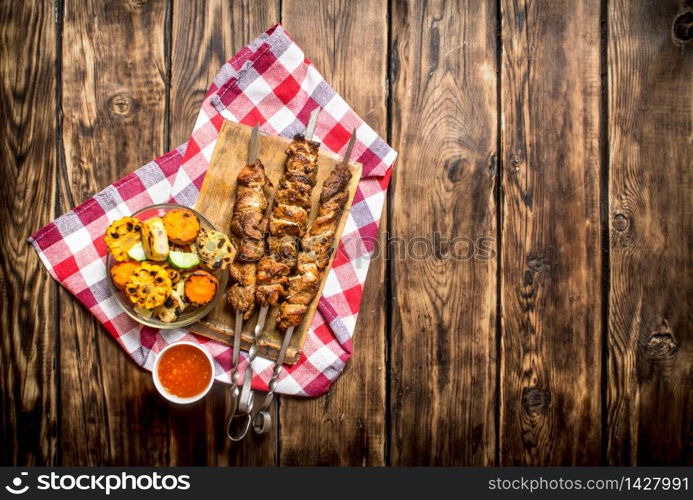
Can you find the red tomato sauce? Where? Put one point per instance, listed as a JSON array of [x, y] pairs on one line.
[[184, 371]]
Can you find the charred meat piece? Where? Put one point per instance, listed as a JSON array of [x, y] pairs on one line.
[[335, 185], [288, 220], [242, 273], [302, 156], [317, 243], [291, 314], [291, 194], [269, 294], [248, 224], [304, 286], [285, 249], [241, 295], [248, 221], [269, 270], [242, 298], [271, 278]]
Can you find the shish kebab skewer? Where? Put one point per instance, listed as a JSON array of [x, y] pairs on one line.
[[248, 225], [286, 225], [317, 246], [288, 221], [247, 229]]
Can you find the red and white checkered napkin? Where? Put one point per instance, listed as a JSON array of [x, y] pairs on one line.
[[271, 82]]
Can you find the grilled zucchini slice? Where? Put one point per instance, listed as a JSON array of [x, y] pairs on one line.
[[137, 252], [183, 260]]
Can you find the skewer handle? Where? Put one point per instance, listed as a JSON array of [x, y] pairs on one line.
[[263, 420], [252, 145], [246, 400], [237, 347], [238, 424], [312, 122], [235, 415]]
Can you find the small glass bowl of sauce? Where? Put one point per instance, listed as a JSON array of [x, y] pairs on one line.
[[183, 372]]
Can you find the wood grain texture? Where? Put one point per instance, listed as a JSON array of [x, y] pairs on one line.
[[347, 425], [113, 82], [200, 48], [28, 380], [444, 120], [551, 255], [650, 389], [70, 396], [204, 35]]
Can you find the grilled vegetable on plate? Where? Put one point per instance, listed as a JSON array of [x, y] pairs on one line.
[[183, 260], [121, 236], [155, 259]]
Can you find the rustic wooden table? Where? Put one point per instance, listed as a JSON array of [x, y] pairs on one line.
[[557, 133]]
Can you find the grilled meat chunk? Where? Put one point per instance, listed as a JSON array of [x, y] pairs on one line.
[[269, 294], [302, 156], [291, 314], [271, 279], [248, 223], [285, 249], [335, 185], [293, 194], [242, 298], [269, 270], [319, 238], [288, 220], [304, 286], [241, 295]]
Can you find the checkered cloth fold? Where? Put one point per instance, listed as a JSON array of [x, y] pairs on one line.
[[270, 82]]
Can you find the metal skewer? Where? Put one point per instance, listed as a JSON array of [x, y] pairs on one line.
[[312, 122], [262, 422], [247, 395], [240, 408]]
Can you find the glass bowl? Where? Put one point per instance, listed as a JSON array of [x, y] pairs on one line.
[[191, 314]]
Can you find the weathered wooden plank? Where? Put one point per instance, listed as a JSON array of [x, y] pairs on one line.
[[28, 429], [198, 50], [346, 426], [113, 75], [650, 372], [551, 252], [444, 121]]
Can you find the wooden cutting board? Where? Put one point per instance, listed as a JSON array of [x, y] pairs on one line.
[[215, 202]]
